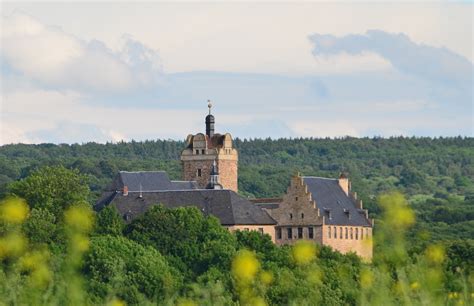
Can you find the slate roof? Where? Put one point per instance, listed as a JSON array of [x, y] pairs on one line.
[[149, 181], [226, 205], [329, 196]]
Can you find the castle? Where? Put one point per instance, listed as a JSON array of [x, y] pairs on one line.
[[322, 210]]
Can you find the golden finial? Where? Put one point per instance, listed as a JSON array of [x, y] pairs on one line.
[[209, 105]]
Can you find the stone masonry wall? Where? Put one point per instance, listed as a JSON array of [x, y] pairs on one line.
[[362, 246]]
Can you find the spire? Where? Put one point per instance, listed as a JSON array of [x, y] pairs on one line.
[[209, 121], [214, 178]]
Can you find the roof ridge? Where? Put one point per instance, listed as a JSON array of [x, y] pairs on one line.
[[320, 177]]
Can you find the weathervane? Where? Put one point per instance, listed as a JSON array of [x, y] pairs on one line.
[[209, 105]]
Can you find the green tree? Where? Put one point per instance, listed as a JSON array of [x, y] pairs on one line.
[[192, 241], [52, 188], [116, 266], [109, 222]]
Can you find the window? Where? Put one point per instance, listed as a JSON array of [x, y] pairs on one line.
[[291, 216], [310, 233], [340, 232], [246, 229], [199, 173], [357, 233], [290, 233], [197, 152], [302, 216], [367, 233], [346, 234], [260, 230], [335, 232], [361, 234], [203, 151], [278, 232], [329, 232], [300, 233], [296, 198], [352, 234]]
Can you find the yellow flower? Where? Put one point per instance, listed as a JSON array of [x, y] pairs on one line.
[[415, 286], [41, 276], [80, 243], [435, 254], [186, 302], [245, 266], [14, 210], [398, 212], [12, 245], [266, 277], [117, 302], [79, 218], [304, 252], [257, 301], [366, 278]]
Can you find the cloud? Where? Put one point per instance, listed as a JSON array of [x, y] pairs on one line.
[[427, 62], [58, 60]]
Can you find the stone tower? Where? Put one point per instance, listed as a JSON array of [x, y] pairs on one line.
[[203, 149]]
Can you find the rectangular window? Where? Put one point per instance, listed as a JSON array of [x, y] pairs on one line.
[[199, 173], [202, 151], [340, 232], [296, 198], [278, 232], [310, 233], [260, 230], [352, 234], [329, 232], [335, 232], [300, 233], [347, 236], [246, 229], [290, 233], [197, 152], [357, 233], [367, 233]]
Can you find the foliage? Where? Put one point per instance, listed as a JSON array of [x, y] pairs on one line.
[[193, 242]]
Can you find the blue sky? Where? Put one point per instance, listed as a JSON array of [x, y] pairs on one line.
[[110, 71]]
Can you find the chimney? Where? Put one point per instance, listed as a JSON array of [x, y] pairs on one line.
[[344, 183], [125, 190]]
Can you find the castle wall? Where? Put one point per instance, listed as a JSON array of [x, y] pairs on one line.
[[361, 244], [265, 229]]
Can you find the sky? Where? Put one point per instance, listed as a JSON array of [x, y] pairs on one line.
[[111, 71]]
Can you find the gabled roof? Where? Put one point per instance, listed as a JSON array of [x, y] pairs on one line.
[[226, 205], [148, 181], [329, 196]]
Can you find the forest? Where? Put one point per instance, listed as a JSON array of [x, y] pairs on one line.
[[55, 250]]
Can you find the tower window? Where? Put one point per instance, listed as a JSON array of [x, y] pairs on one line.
[[291, 216], [199, 173], [302, 215], [296, 198]]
